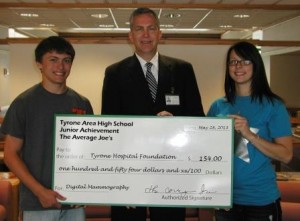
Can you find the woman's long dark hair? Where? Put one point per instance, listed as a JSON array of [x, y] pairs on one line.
[[259, 86]]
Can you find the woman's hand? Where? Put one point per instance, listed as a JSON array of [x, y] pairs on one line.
[[281, 148], [241, 126]]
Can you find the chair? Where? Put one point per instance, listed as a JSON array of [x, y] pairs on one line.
[[290, 200], [5, 200]]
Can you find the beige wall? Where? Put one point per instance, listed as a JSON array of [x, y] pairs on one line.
[[92, 59], [4, 80], [285, 78], [208, 62]]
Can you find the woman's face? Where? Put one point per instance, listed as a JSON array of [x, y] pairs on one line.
[[240, 70]]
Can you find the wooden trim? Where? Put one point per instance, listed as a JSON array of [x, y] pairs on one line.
[[150, 5], [165, 40], [125, 35]]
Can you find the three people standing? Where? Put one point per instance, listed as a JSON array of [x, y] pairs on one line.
[[260, 119]]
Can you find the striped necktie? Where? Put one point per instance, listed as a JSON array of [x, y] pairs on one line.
[[151, 80]]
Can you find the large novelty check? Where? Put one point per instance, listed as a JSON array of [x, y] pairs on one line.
[[154, 161]]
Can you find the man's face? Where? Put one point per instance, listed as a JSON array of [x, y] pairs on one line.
[[55, 68], [145, 35]]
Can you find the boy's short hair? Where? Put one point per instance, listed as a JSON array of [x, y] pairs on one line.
[[54, 43]]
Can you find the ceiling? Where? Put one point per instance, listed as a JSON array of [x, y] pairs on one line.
[[211, 18]]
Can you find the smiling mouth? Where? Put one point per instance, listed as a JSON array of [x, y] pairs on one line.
[[146, 42], [239, 74], [59, 73]]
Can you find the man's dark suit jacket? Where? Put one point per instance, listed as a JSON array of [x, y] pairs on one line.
[[126, 92]]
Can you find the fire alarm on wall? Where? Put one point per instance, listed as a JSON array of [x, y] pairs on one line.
[[5, 72]]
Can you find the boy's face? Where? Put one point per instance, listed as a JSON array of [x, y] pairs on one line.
[[55, 68]]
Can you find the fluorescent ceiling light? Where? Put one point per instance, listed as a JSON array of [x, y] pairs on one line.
[[106, 26], [47, 25], [172, 15], [29, 15], [225, 26], [99, 15], [12, 33], [241, 16]]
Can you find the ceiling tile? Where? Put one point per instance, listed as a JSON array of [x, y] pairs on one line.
[[235, 1], [263, 2], [289, 2], [172, 20], [177, 1]]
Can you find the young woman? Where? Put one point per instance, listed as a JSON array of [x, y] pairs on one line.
[[262, 133]]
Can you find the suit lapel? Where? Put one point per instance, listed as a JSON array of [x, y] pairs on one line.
[[164, 75], [136, 73], [135, 70]]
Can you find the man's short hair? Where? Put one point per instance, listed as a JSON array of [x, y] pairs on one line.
[[141, 11]]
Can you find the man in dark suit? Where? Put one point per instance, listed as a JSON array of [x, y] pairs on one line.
[[127, 92]]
